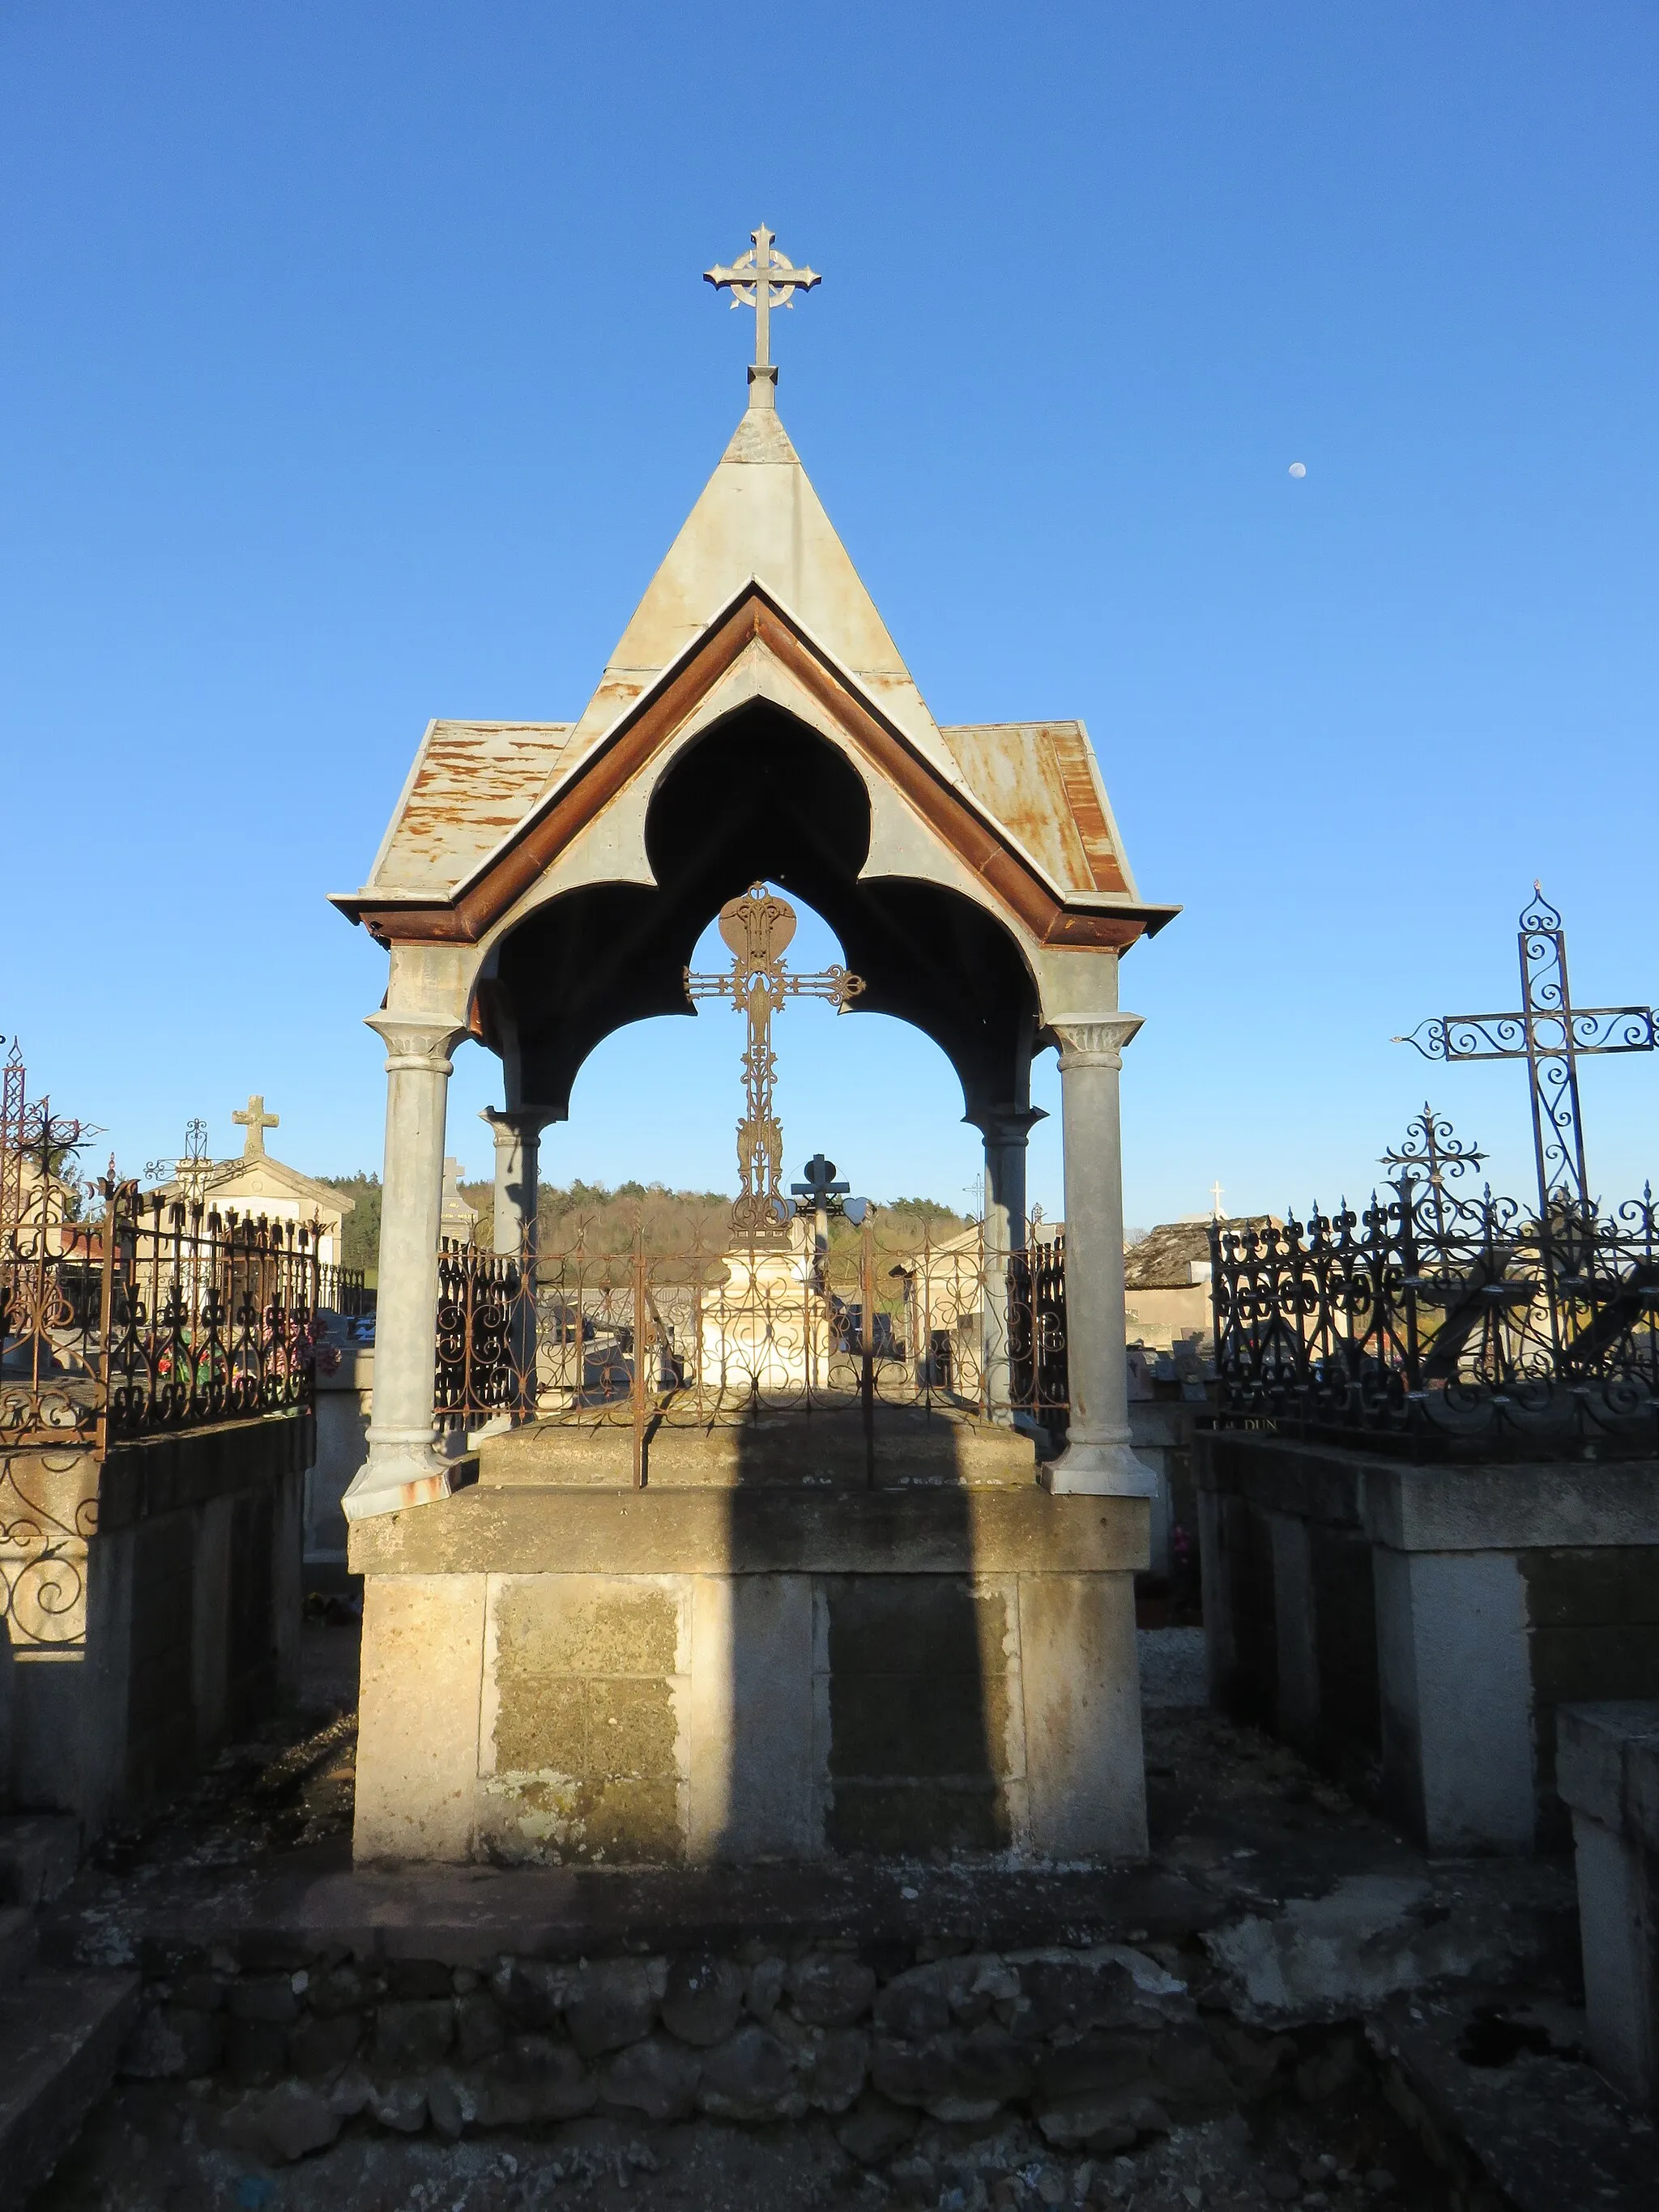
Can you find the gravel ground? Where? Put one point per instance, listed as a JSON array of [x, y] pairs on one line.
[[155, 2147]]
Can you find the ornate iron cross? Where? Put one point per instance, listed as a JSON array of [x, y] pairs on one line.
[[191, 1172], [1551, 1035], [762, 279], [758, 927]]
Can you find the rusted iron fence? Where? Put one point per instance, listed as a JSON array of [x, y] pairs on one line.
[[124, 1314], [610, 1332], [1452, 1325]]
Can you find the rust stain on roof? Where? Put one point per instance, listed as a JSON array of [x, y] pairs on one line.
[[473, 783], [1040, 781]]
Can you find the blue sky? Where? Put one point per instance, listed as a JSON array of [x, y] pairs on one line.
[[356, 367]]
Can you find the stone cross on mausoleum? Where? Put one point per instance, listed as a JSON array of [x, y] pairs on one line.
[[256, 1122], [758, 926]]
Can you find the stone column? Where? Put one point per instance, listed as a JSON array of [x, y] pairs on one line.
[[1006, 1130], [405, 1466], [518, 1133], [1097, 1461]]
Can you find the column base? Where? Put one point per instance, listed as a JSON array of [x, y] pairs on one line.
[[399, 1472], [1090, 1469]]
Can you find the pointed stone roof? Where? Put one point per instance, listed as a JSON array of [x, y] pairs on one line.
[[758, 518], [758, 526]]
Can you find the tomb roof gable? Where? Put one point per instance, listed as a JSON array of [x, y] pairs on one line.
[[261, 1177], [758, 561], [759, 518]]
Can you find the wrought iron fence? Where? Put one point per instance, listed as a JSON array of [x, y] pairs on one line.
[[153, 1315], [1037, 1328], [210, 1317], [124, 1314], [1455, 1325], [604, 1332]]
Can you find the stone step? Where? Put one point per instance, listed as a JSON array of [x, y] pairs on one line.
[[40, 1853], [60, 2037], [1510, 2082], [19, 1942]]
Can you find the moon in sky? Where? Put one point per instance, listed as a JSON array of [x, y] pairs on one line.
[[1298, 468]]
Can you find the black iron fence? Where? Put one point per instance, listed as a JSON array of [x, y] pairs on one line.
[[614, 1334], [1037, 1329], [1458, 1326]]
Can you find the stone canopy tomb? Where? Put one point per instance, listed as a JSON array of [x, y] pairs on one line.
[[557, 1663]]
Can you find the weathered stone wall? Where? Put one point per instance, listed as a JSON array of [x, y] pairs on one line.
[[584, 1755], [1610, 1777], [1419, 1627], [662, 1678], [1593, 1623], [1097, 2046], [925, 1742], [345, 1397], [176, 1619]]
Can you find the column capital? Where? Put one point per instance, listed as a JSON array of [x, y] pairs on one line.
[[511, 1125], [417, 1043], [1094, 1040], [1006, 1125]]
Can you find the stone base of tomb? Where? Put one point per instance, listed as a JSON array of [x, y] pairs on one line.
[[149, 1609], [1416, 1628], [760, 1655]]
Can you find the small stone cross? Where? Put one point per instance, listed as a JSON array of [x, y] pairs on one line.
[[762, 280], [256, 1122], [1215, 1201]]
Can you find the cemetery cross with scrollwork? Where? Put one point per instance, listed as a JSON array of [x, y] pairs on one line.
[[758, 926]]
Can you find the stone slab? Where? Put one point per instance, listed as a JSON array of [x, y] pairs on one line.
[[418, 1741], [707, 1531], [162, 1473], [471, 1916], [1607, 1765], [1084, 1763], [1546, 2128], [1504, 1506], [60, 2037], [909, 1445]]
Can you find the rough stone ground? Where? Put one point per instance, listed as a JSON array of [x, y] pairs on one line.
[[1317, 1920]]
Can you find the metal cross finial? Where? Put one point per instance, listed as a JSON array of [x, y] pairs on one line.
[[762, 279], [256, 1122], [820, 1185], [1430, 1143], [1551, 1035]]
